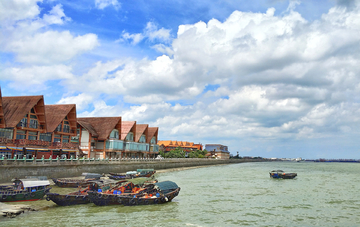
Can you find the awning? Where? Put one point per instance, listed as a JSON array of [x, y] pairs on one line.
[[3, 148], [34, 183], [69, 150], [39, 149], [15, 148]]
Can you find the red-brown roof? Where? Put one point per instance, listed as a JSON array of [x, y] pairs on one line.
[[2, 119], [55, 114], [101, 125], [126, 127], [15, 108], [140, 130], [152, 131]]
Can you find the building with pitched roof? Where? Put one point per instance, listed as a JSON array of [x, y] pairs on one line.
[[31, 129], [168, 145], [99, 136]]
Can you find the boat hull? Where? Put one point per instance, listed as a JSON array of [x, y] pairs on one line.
[[66, 183], [68, 200], [100, 199], [22, 196]]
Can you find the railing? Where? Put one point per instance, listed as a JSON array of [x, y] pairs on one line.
[[38, 143], [70, 161]]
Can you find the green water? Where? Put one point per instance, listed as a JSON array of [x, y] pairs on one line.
[[323, 194]]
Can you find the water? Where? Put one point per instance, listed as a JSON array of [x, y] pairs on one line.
[[323, 194]]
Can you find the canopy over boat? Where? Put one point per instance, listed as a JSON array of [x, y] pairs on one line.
[[28, 183], [166, 186]]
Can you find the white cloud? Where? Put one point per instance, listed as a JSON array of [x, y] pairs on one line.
[[102, 4], [15, 10], [82, 101]]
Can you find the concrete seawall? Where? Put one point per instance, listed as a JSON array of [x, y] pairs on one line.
[[55, 170]]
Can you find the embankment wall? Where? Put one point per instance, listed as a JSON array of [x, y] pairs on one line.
[[59, 170]]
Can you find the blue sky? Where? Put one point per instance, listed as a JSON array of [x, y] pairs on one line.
[[270, 78]]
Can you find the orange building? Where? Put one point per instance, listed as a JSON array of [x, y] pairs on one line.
[[168, 145]]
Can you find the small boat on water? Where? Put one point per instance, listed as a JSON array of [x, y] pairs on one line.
[[80, 196], [132, 174], [131, 195], [74, 183], [30, 189], [279, 174]]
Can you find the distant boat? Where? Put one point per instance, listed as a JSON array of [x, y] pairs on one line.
[[74, 183], [31, 189], [132, 174], [279, 174]]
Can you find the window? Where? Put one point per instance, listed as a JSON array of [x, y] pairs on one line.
[[142, 139], [66, 128], [32, 135], [114, 134], [20, 135], [33, 123], [130, 137], [57, 138], [32, 110], [6, 133], [153, 140], [23, 122], [45, 137], [58, 128], [66, 139]]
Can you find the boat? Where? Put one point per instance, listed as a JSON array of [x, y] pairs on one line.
[[75, 183], [80, 196], [133, 174], [130, 195], [279, 174], [30, 189]]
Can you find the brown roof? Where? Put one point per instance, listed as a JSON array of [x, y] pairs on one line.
[[15, 108], [100, 127], [126, 127], [55, 114], [152, 131], [140, 130], [2, 120]]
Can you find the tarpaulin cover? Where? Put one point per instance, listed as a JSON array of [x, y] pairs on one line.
[[166, 186]]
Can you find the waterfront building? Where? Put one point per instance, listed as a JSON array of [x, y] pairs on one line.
[[217, 151], [168, 145], [99, 137], [23, 123], [153, 140], [61, 131]]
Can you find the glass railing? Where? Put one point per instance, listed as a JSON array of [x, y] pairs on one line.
[[115, 145]]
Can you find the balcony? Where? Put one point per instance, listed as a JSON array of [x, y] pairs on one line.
[[115, 145], [154, 148]]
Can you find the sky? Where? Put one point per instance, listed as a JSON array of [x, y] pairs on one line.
[[268, 78]]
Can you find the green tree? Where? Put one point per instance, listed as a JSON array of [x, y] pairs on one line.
[[176, 153]]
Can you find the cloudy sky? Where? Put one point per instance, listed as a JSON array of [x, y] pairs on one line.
[[269, 78]]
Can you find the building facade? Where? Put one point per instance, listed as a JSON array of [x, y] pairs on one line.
[[168, 145], [29, 128], [217, 151]]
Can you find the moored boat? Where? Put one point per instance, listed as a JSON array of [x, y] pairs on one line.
[[131, 195], [80, 196], [279, 174], [74, 183], [24, 190], [132, 174]]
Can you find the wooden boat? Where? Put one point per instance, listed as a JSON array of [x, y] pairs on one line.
[[75, 183], [133, 174], [80, 196], [130, 195], [279, 174], [31, 189]]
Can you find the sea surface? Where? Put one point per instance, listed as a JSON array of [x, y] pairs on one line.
[[323, 194]]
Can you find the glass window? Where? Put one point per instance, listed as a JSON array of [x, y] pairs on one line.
[[153, 140], [57, 138], [58, 128], [32, 110], [142, 139], [45, 137], [130, 136], [33, 116], [66, 128], [20, 135], [6, 133], [33, 123], [114, 134]]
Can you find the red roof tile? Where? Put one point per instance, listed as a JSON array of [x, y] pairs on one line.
[[126, 127], [152, 131], [15, 108], [140, 130], [101, 125], [55, 114]]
